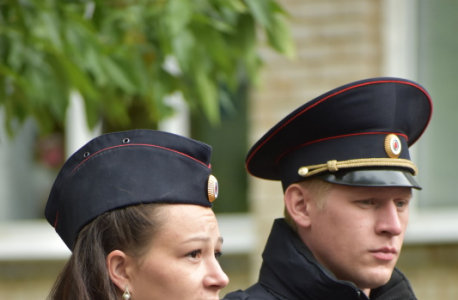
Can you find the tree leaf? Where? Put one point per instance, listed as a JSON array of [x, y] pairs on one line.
[[78, 79], [178, 13], [114, 56], [280, 38], [184, 48], [207, 96], [261, 11], [116, 73]]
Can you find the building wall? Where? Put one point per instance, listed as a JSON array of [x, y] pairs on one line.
[[28, 280], [431, 269]]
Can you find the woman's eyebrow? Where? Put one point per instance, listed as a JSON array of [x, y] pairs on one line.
[[204, 239], [197, 239]]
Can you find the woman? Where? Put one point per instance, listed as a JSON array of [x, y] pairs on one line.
[[135, 209]]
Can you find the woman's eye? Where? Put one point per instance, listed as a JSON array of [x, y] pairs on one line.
[[218, 254], [195, 253]]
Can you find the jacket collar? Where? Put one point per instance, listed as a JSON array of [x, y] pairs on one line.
[[290, 270]]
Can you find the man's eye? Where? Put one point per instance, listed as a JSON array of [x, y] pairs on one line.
[[218, 254], [366, 202], [401, 204]]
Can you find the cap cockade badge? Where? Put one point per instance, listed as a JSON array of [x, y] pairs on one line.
[[393, 146], [212, 188]]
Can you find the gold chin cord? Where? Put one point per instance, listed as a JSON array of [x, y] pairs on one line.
[[334, 165]]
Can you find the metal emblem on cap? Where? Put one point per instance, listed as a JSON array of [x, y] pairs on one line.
[[212, 188], [393, 146]]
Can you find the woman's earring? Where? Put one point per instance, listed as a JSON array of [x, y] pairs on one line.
[[126, 295]]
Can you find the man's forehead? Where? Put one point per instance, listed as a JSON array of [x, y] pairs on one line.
[[373, 192]]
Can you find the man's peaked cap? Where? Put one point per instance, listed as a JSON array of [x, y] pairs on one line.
[[356, 134]]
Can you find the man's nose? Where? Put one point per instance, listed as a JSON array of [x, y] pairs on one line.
[[389, 220]]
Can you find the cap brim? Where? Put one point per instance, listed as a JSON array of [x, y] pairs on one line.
[[371, 178]]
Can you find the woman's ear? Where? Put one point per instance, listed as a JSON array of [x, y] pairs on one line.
[[297, 202], [117, 265]]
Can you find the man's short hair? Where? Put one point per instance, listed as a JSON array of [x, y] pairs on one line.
[[318, 189]]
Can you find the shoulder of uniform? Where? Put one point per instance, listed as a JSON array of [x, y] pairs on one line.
[[237, 295], [255, 292]]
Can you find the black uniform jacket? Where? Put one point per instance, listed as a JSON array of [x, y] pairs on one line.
[[290, 272]]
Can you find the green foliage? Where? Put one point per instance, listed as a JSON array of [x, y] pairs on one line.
[[114, 52]]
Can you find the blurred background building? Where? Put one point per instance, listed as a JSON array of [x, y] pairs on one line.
[[336, 42]]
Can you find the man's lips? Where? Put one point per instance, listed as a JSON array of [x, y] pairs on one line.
[[385, 253]]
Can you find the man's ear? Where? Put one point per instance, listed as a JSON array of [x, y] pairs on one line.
[[297, 202], [118, 264]]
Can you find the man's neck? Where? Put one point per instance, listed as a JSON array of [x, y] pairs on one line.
[[303, 238]]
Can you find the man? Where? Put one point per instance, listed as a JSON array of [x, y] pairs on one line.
[[344, 164]]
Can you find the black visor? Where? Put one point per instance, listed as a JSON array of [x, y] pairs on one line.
[[371, 178]]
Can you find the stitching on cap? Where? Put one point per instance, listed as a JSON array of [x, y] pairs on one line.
[[332, 95], [126, 145]]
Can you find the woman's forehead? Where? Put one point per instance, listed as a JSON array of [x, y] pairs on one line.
[[185, 219]]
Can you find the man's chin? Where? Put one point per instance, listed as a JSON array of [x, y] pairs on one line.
[[375, 278]]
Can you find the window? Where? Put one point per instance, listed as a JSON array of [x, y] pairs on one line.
[[438, 71], [421, 44]]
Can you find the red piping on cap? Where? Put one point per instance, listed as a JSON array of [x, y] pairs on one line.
[[57, 217], [336, 137], [332, 95]]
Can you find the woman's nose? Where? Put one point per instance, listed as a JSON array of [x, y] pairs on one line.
[[216, 278]]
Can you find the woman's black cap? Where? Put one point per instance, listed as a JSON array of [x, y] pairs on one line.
[[357, 134], [127, 168]]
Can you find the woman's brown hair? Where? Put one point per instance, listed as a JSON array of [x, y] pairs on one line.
[[85, 276]]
